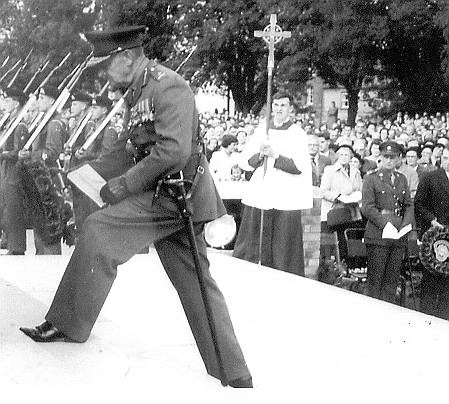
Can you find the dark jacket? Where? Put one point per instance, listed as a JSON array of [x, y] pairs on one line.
[[162, 104], [432, 199]]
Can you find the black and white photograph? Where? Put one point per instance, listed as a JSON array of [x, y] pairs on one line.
[[203, 196]]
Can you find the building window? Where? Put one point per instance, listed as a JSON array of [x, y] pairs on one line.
[[344, 102], [309, 95]]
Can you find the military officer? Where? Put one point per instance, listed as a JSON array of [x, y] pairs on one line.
[[385, 200], [163, 122]]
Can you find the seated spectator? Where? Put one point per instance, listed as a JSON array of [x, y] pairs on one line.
[[409, 172], [412, 155], [324, 139], [223, 159], [211, 147], [241, 136], [374, 151]]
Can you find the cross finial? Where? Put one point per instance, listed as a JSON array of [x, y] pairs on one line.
[[272, 34]]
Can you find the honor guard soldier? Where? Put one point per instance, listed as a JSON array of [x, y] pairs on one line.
[[47, 148], [163, 121], [83, 206], [99, 107], [385, 201], [11, 189]]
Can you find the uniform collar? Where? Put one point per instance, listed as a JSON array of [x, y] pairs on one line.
[[140, 80]]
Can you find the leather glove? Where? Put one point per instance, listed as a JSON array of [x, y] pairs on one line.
[[114, 191]]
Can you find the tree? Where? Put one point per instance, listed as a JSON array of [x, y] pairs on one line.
[[228, 53], [157, 15], [412, 56], [342, 40], [50, 29]]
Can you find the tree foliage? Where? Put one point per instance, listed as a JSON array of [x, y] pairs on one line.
[[413, 56], [346, 42]]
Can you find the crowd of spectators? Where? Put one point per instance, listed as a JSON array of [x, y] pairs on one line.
[[422, 136]]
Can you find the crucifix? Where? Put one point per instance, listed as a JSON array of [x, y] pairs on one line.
[[271, 34]]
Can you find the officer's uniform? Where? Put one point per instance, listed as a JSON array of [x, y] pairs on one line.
[[385, 200], [162, 105], [12, 191], [15, 218]]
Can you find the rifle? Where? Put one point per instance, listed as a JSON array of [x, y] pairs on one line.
[[105, 121], [41, 68], [58, 104], [5, 117], [4, 62], [75, 69], [20, 69], [11, 69], [54, 69]]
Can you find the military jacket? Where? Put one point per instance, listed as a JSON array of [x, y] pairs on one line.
[[385, 201], [103, 144], [50, 142], [161, 106]]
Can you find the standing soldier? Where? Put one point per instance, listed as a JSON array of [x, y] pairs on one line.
[[163, 115], [385, 199], [11, 190], [47, 148], [83, 206]]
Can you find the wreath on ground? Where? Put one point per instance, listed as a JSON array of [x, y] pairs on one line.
[[434, 250]]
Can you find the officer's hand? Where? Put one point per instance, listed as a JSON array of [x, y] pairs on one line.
[[435, 223], [24, 154], [114, 191]]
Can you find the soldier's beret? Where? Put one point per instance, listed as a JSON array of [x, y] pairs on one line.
[[80, 96], [347, 146], [390, 148], [49, 91], [107, 43], [19, 95], [102, 101]]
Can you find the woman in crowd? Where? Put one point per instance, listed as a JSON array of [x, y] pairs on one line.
[[340, 181]]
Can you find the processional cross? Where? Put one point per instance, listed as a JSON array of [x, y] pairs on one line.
[[271, 34]]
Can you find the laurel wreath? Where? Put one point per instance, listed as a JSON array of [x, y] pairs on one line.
[[427, 251]]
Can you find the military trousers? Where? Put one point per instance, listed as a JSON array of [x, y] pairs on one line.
[[110, 237], [384, 270], [15, 224]]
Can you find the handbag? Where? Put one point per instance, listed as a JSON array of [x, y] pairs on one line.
[[339, 215]]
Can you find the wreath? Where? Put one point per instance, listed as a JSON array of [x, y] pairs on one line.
[[434, 250]]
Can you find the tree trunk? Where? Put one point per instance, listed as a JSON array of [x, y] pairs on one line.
[[353, 105]]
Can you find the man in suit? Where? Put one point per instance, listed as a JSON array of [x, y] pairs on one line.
[[319, 161], [432, 209], [385, 201], [163, 123]]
